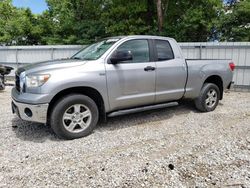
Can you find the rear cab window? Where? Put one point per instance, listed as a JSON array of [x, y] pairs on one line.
[[164, 50]]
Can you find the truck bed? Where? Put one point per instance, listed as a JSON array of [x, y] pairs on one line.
[[199, 69]]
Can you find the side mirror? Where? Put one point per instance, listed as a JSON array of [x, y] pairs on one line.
[[119, 56]]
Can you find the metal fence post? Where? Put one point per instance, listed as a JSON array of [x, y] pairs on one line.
[[52, 53], [17, 64], [200, 52]]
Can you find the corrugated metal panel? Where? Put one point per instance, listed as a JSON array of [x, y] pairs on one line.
[[16, 56], [239, 52]]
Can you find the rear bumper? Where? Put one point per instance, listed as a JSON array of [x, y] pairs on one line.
[[30, 112]]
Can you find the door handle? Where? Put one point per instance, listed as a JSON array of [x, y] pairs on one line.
[[149, 68]]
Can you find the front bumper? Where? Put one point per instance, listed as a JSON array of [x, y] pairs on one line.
[[30, 112]]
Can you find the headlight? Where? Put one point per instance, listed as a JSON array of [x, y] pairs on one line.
[[36, 80]]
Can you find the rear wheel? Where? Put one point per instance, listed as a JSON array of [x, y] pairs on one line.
[[74, 116], [209, 98]]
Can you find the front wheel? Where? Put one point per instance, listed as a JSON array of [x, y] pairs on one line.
[[2, 86], [74, 116], [209, 98]]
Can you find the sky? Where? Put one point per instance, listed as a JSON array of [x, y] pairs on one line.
[[36, 6]]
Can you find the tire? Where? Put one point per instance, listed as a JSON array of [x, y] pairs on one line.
[[209, 98], [2, 85], [74, 116]]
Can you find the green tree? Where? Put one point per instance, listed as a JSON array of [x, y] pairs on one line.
[[85, 21], [192, 21], [17, 25], [76, 21], [235, 22], [184, 20], [129, 17]]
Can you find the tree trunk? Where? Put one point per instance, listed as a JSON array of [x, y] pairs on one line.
[[159, 15], [162, 7]]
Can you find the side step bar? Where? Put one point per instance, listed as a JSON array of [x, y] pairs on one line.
[[142, 109]]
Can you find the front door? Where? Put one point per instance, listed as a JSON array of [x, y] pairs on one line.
[[132, 83]]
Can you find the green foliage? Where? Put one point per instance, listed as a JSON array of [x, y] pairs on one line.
[[235, 23], [18, 26], [76, 21], [85, 21], [192, 21], [129, 18]]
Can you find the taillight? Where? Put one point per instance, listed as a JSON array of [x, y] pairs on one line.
[[232, 66]]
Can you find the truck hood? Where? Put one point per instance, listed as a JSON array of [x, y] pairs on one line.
[[50, 65]]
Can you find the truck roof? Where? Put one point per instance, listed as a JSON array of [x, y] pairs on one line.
[[140, 36]]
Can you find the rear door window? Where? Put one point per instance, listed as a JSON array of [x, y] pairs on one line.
[[164, 50]]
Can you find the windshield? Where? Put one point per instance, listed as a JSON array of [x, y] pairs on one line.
[[95, 50]]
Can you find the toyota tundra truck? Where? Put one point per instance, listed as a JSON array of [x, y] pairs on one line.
[[112, 76]]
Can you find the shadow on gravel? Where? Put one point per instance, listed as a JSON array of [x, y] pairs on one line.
[[39, 133], [30, 131], [149, 116]]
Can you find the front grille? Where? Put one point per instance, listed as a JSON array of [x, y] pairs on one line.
[[17, 83]]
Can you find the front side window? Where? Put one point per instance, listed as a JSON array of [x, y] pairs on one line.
[[96, 50], [139, 49], [164, 50]]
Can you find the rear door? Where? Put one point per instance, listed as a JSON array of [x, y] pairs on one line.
[[132, 83], [171, 72]]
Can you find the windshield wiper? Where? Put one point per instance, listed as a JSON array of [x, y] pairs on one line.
[[82, 58], [88, 59], [75, 58]]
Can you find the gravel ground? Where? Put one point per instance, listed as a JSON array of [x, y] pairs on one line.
[[170, 147]]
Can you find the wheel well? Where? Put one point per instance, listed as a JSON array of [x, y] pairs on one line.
[[88, 91], [217, 81]]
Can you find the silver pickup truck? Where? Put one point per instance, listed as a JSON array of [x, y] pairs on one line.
[[115, 75]]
